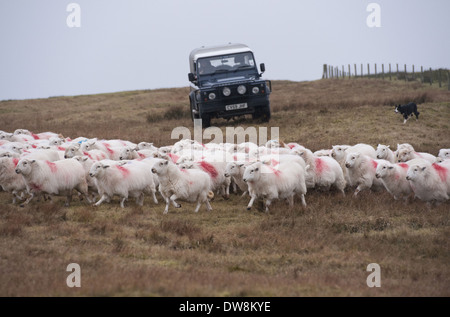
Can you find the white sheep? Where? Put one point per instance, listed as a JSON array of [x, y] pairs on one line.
[[405, 155], [75, 150], [444, 154], [235, 170], [385, 153], [393, 177], [110, 148], [361, 171], [339, 153], [10, 181], [132, 153], [190, 185], [322, 172], [146, 146], [430, 182], [133, 180], [282, 182], [53, 178], [41, 154]]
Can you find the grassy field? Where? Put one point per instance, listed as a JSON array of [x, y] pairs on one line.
[[322, 250]]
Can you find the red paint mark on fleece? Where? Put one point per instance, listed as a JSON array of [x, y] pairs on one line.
[[15, 161], [321, 166], [274, 162], [88, 155], [418, 154], [374, 164], [403, 165], [52, 166], [208, 168], [291, 145], [142, 156], [173, 157], [35, 187], [35, 136], [442, 171], [183, 170], [125, 172], [108, 148], [33, 146], [277, 172], [60, 148]]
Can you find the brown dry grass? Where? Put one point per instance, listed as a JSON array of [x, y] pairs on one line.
[[319, 251]]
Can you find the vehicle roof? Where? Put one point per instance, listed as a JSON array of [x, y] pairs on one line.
[[206, 51]]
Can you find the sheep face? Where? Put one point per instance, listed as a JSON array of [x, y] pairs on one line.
[[252, 173], [160, 167], [22, 131], [351, 159], [338, 152], [382, 151], [72, 151], [25, 166], [126, 154], [97, 169], [415, 172], [404, 155], [383, 170]]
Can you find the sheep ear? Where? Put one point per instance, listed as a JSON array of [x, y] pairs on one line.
[[423, 168], [166, 162], [33, 161], [388, 146], [84, 158], [391, 167], [242, 164], [105, 166], [256, 169]]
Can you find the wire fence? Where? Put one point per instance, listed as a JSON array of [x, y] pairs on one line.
[[440, 75]]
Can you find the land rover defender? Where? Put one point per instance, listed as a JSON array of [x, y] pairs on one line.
[[225, 83]]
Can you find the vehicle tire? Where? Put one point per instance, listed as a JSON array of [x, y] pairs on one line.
[[265, 114], [206, 121], [193, 115]]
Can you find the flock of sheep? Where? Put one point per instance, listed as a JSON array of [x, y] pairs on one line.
[[46, 164]]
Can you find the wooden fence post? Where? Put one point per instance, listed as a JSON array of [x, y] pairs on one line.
[[421, 74], [382, 71], [431, 77], [325, 71], [405, 74], [355, 71], [397, 71], [362, 70], [368, 70], [440, 78], [413, 75], [390, 75], [343, 74], [375, 70], [349, 75]]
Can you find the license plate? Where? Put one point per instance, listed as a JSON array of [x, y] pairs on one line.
[[236, 106]]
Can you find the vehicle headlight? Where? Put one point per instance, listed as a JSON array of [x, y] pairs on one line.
[[255, 90], [241, 89], [212, 96], [226, 91]]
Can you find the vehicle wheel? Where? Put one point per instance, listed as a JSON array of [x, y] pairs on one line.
[[193, 116], [265, 114], [206, 121]]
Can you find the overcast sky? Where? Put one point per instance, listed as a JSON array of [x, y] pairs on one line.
[[144, 44]]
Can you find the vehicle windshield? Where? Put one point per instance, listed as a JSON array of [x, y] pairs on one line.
[[226, 66]]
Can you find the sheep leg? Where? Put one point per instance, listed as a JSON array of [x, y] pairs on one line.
[[198, 206], [268, 202], [250, 204], [122, 201], [28, 200], [302, 196], [208, 205], [166, 210], [155, 200], [102, 199], [174, 203]]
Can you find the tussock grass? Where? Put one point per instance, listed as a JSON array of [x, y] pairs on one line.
[[322, 250]]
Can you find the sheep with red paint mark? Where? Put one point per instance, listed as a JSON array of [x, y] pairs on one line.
[[133, 153], [53, 178], [41, 154], [235, 170], [405, 155], [393, 177], [361, 171], [284, 181], [322, 172], [112, 148], [444, 154], [385, 153], [10, 181], [192, 185], [430, 182], [75, 150], [129, 180]]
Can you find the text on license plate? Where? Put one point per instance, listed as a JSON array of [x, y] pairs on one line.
[[236, 106]]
